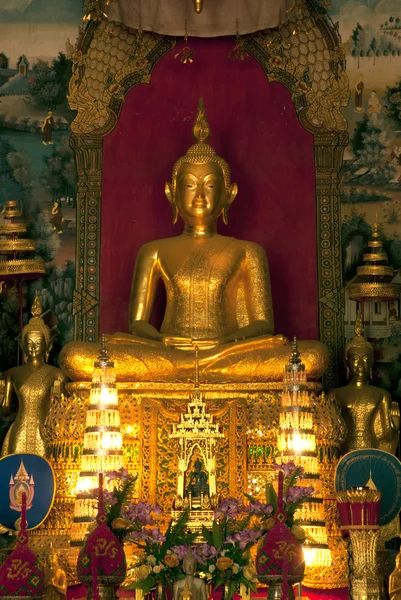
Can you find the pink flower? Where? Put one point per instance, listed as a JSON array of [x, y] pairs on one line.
[[289, 468], [296, 493], [259, 509], [243, 538], [230, 508], [203, 553], [122, 474]]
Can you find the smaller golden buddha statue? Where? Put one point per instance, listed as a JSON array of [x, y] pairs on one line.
[[394, 584], [190, 588], [31, 385], [371, 418], [55, 578]]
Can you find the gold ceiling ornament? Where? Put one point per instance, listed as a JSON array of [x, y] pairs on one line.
[[186, 54], [198, 6]]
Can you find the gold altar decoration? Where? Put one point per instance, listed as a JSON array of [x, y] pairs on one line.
[[102, 445], [107, 63], [297, 443], [364, 534], [373, 281], [196, 433]]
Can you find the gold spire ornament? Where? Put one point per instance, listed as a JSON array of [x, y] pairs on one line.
[[36, 323], [373, 279]]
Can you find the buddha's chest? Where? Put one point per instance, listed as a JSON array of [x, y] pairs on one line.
[[204, 270]]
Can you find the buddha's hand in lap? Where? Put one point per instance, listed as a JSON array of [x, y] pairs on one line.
[[182, 343]]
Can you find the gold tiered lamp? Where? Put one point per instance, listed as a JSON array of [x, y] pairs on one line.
[[18, 264], [196, 433], [102, 450], [297, 443]]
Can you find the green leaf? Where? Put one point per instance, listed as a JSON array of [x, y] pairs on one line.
[[208, 535], [217, 535], [271, 496]]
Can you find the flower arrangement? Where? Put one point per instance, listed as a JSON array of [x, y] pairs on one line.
[[161, 564], [293, 495], [123, 516], [224, 558]]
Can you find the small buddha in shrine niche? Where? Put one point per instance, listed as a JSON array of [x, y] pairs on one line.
[[198, 481]]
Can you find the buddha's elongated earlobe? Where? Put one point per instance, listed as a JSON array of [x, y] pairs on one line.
[[168, 190], [224, 214]]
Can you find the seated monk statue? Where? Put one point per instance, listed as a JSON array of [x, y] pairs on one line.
[[371, 418], [217, 288]]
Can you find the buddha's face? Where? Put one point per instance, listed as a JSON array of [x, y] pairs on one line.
[[34, 345], [360, 363], [189, 565], [200, 192]]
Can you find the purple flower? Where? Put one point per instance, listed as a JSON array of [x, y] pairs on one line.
[[289, 469], [151, 536], [180, 551], [296, 493], [108, 497], [230, 508], [259, 509], [140, 512], [243, 538], [203, 553], [122, 474]]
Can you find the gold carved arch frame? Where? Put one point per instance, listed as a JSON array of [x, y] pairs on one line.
[[304, 55]]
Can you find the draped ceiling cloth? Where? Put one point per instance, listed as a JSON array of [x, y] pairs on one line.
[[218, 17]]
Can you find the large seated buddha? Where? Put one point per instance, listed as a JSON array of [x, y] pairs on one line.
[[218, 293]]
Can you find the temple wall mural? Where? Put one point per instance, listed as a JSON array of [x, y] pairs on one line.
[[371, 177], [37, 166]]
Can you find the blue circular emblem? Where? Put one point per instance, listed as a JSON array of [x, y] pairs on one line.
[[359, 467], [33, 475]]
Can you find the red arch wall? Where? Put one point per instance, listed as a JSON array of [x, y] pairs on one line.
[[255, 128]]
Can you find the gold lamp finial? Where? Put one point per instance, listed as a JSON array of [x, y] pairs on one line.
[[36, 309], [376, 227], [201, 129], [359, 341], [358, 328]]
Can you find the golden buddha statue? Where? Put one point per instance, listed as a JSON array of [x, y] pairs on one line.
[[190, 588], [217, 287], [31, 384], [55, 578], [394, 584], [371, 418]]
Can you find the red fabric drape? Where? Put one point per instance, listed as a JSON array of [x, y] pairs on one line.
[[255, 128]]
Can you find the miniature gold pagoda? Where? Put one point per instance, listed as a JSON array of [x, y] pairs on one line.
[[197, 437]]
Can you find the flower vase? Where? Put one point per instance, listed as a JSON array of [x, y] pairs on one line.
[[224, 591]]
